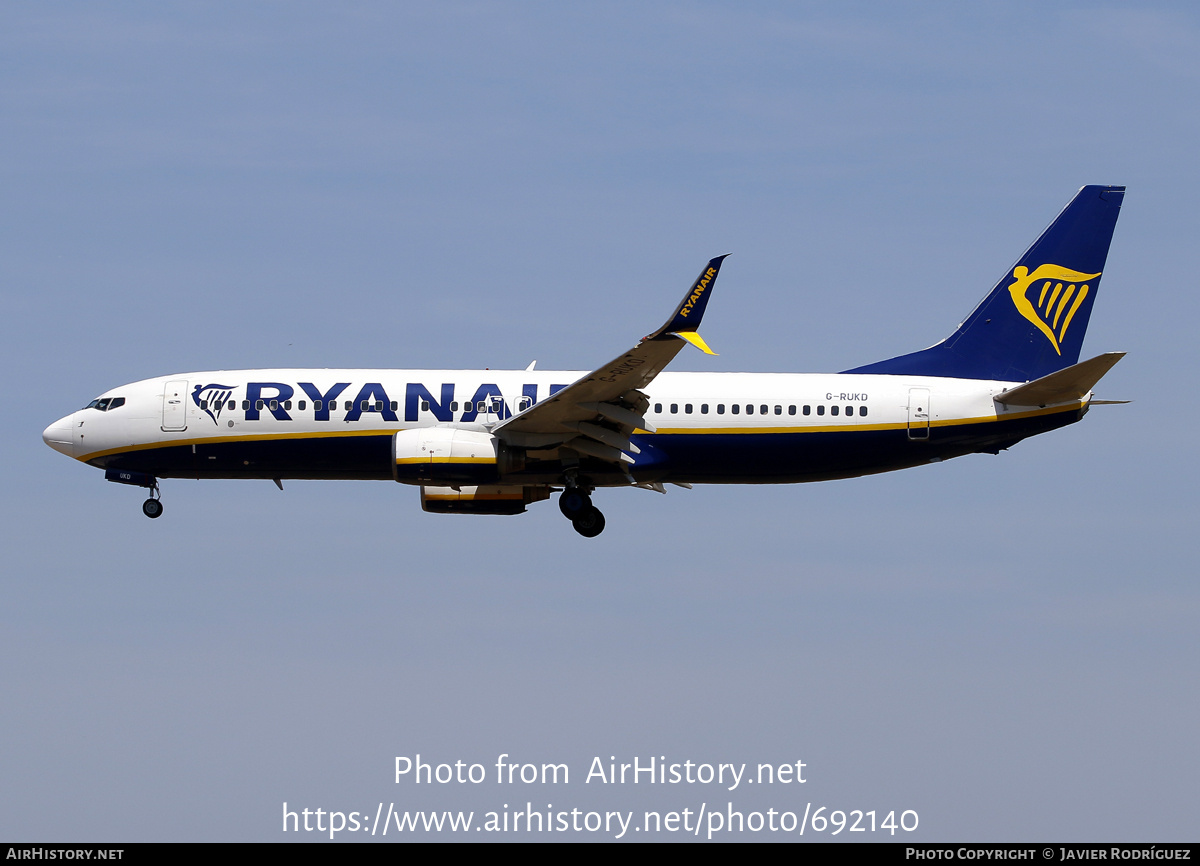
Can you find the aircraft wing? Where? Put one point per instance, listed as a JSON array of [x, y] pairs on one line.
[[596, 414]]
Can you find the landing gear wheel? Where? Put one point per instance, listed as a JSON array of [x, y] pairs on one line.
[[152, 508], [590, 523], [573, 503]]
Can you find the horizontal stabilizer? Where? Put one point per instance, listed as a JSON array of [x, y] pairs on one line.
[[1068, 385]]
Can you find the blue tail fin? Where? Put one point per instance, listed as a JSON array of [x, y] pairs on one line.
[[1033, 322]]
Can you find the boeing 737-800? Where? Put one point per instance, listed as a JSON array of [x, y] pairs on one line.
[[492, 442]]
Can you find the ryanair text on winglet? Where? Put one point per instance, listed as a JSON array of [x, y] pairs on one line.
[[697, 292]]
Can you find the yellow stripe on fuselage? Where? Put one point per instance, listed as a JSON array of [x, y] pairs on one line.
[[216, 440], [457, 497], [406, 460], [847, 428]]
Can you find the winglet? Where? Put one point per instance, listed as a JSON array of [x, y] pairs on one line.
[[688, 314]]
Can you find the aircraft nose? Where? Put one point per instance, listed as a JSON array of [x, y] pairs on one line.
[[58, 435]]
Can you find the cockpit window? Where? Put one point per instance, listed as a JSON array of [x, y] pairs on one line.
[[106, 403]]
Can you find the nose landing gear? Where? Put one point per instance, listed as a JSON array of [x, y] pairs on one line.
[[153, 506], [576, 505]]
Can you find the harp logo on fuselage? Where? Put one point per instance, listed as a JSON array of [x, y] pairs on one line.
[[1059, 294], [213, 399]]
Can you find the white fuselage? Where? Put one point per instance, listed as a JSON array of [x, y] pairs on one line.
[[723, 427]]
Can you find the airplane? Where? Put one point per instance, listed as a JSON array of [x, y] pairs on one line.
[[494, 442]]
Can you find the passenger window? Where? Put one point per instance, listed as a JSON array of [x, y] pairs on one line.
[[482, 407], [735, 408], [687, 408], [720, 408], [778, 410], [862, 411], [245, 404], [849, 410], [317, 404], [394, 404], [258, 404], [703, 408], [833, 410], [454, 406], [424, 405], [203, 405], [749, 409], [658, 408], [274, 405], [808, 410], [762, 410], [287, 404], [820, 410], [674, 408], [792, 409], [302, 405], [349, 405]]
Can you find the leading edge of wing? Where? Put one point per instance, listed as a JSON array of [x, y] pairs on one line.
[[610, 395]]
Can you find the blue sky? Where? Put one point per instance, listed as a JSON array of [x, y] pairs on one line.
[[1004, 644]]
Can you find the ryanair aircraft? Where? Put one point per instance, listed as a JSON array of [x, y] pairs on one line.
[[492, 442]]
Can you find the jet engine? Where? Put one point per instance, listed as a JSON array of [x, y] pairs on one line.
[[481, 500], [451, 456]]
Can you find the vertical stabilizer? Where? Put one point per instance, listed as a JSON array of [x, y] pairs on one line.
[[1032, 323]]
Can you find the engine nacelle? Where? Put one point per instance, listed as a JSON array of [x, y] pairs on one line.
[[480, 500], [450, 456]]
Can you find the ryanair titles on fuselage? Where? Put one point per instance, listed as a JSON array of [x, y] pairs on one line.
[[343, 401]]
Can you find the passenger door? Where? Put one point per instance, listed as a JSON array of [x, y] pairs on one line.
[[174, 408], [918, 414]]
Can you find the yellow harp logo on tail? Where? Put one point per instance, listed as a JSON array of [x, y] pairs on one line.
[[1060, 291]]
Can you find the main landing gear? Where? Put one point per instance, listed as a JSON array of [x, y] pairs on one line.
[[576, 505]]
